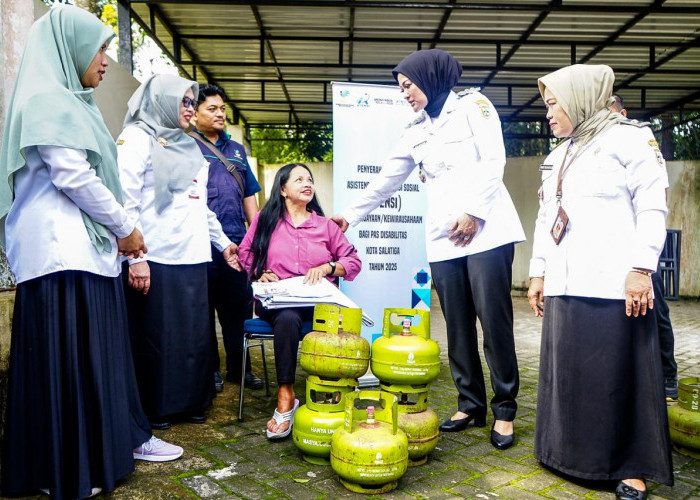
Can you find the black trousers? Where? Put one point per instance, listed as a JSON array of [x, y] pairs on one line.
[[663, 323], [471, 287], [286, 325], [231, 297]]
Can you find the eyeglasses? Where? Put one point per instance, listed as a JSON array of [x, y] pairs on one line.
[[189, 102]]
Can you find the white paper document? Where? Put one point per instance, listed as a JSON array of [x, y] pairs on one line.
[[293, 292]]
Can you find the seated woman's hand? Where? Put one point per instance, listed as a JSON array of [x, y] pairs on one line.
[[268, 277], [316, 274]]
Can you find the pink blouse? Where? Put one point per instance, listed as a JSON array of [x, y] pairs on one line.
[[295, 250]]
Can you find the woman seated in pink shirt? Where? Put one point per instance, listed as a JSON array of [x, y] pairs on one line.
[[291, 237]]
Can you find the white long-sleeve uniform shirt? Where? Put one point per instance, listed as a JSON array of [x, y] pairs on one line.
[[45, 232], [462, 155], [181, 233], [614, 196]]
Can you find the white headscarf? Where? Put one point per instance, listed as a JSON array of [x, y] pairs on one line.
[[584, 91], [176, 158]]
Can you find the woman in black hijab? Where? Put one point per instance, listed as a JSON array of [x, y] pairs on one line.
[[434, 72], [471, 229]]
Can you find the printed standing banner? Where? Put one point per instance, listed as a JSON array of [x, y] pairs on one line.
[[368, 120]]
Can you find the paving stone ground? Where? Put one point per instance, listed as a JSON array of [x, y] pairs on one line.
[[225, 458]]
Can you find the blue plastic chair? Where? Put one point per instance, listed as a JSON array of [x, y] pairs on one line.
[[255, 333]]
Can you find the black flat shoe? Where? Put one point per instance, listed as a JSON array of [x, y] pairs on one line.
[[196, 418], [161, 425], [501, 441], [450, 425], [627, 492], [252, 382]]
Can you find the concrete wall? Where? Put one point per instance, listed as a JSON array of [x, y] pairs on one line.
[[684, 214], [113, 94], [522, 178]]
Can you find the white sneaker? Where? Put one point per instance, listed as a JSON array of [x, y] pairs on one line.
[[157, 450], [93, 493]]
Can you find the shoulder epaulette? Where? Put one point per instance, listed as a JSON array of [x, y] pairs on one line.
[[467, 92], [634, 123], [418, 120]]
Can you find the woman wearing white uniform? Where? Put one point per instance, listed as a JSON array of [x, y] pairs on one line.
[[74, 423], [471, 229], [164, 179], [600, 228]]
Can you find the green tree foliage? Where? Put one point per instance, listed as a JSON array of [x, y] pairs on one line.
[[686, 139], [524, 139], [284, 144]]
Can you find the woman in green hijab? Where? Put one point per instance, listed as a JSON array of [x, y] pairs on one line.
[[74, 422]]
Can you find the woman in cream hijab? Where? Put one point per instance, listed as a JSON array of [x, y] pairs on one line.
[[164, 179], [599, 232], [74, 423]]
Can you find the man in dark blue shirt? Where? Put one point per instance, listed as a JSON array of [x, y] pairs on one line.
[[229, 290]]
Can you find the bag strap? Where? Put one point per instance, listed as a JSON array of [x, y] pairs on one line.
[[229, 166]]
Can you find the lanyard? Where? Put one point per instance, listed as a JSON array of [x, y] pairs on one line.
[[563, 168]]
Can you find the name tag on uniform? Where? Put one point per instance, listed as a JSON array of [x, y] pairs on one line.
[[559, 226], [544, 167]]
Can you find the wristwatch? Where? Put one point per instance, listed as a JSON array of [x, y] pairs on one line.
[[332, 264]]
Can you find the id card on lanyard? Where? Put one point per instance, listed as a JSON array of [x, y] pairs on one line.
[[562, 219]]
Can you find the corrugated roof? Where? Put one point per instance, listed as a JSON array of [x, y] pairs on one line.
[[275, 59]]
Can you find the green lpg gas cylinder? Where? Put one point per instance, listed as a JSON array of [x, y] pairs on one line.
[[335, 349], [323, 413], [370, 453], [684, 418], [419, 423], [422, 432], [405, 354]]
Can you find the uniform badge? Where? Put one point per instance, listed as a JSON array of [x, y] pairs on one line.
[[657, 152], [162, 141], [484, 107], [120, 142]]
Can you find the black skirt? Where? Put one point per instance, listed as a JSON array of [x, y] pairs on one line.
[[73, 411], [601, 413], [173, 348]]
